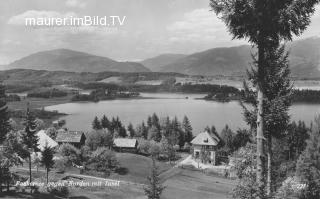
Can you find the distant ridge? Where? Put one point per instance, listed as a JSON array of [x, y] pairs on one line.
[[233, 61], [74, 61], [155, 63]]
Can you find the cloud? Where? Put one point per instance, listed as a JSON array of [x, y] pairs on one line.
[[20, 19], [199, 25], [75, 4]]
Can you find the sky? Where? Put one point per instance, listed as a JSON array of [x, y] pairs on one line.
[[151, 28]]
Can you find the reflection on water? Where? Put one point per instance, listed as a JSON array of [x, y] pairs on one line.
[[200, 112]]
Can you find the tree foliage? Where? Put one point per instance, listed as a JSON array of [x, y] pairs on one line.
[[308, 165], [5, 126], [47, 159], [154, 188]]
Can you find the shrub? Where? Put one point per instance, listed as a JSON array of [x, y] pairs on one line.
[[70, 153], [99, 138], [61, 165], [144, 146], [103, 160], [61, 191]]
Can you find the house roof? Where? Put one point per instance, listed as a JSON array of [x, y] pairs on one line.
[[125, 142], [44, 140], [205, 138], [69, 136]]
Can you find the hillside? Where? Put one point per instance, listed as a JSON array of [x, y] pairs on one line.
[[74, 61], [155, 63], [226, 61], [304, 60]]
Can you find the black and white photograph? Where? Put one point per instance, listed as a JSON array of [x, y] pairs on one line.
[[160, 99]]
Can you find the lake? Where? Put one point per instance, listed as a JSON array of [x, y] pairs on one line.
[[200, 112]]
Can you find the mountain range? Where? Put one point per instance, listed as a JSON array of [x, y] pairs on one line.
[[304, 60], [74, 61]]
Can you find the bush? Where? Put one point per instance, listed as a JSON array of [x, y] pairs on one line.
[[103, 160], [144, 146], [61, 191], [61, 165], [99, 138], [70, 153]]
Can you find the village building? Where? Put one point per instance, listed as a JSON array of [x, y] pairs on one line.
[[75, 138], [125, 144], [204, 147]]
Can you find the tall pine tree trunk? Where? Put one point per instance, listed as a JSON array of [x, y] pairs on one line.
[[0, 180], [47, 175], [269, 166], [260, 145], [260, 122], [30, 168]]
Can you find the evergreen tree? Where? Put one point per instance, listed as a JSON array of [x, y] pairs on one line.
[[227, 139], [149, 121], [295, 139], [154, 134], [122, 132], [154, 188], [47, 159], [308, 165], [187, 129], [144, 130], [276, 103], [264, 24], [155, 121], [166, 127], [30, 138], [131, 130], [96, 125], [240, 139], [4, 115], [175, 136], [105, 123]]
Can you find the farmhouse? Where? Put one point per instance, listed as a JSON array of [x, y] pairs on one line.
[[125, 144], [204, 145], [76, 138]]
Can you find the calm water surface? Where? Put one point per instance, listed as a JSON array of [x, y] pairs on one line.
[[200, 112]]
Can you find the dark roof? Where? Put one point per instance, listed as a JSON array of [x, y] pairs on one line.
[[69, 136]]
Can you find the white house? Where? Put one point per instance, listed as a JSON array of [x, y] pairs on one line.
[[204, 147]]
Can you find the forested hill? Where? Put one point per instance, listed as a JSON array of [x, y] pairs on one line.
[[233, 61], [74, 61]]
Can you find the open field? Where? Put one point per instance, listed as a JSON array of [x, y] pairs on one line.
[[180, 183], [137, 166], [189, 184]]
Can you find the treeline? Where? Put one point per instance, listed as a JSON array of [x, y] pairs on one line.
[[160, 137], [103, 94], [312, 96], [180, 132], [38, 113], [48, 93], [167, 86]]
